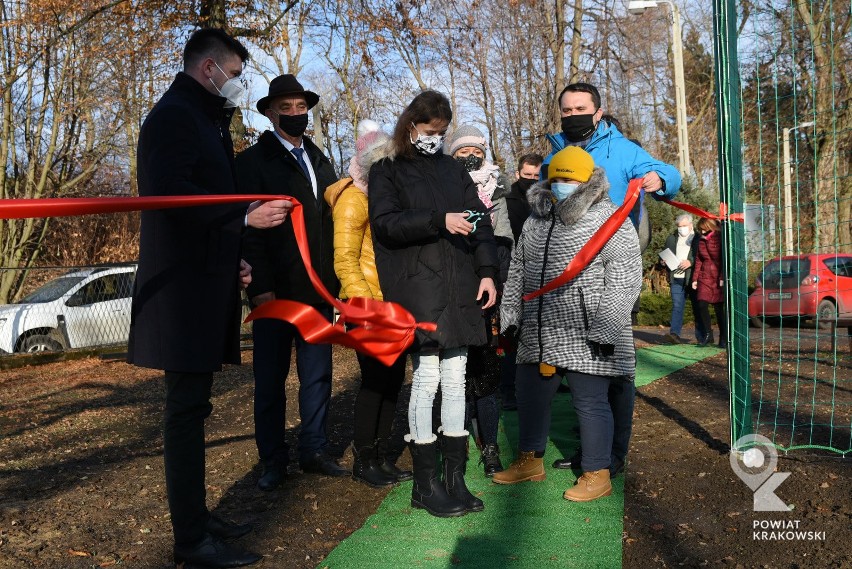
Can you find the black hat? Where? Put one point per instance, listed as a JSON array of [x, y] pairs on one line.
[[286, 85]]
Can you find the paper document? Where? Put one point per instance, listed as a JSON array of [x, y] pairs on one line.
[[671, 260]]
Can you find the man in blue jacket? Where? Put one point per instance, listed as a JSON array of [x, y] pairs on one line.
[[622, 160]]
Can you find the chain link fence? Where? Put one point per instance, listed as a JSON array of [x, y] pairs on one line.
[[66, 308]]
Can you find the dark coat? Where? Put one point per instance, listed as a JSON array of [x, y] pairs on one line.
[[430, 272], [267, 167], [186, 309], [708, 268], [671, 245], [519, 209]]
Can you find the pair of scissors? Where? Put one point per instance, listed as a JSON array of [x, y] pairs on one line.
[[474, 216]]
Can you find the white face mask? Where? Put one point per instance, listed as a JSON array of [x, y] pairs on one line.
[[427, 144], [232, 89], [683, 231], [562, 190]]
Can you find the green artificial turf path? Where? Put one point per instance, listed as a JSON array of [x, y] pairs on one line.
[[527, 525]]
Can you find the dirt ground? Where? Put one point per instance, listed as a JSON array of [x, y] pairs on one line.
[[81, 477]]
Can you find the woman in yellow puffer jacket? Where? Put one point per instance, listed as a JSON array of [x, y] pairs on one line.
[[355, 266]]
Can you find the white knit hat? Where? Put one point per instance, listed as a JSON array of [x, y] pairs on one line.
[[467, 135]]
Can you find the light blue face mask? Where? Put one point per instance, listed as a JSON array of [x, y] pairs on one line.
[[562, 190]]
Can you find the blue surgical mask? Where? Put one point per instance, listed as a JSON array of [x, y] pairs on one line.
[[562, 190]]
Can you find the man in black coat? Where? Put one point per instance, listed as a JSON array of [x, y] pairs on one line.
[[186, 310], [285, 161], [529, 167]]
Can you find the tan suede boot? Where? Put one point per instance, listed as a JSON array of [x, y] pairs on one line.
[[590, 486], [526, 467]]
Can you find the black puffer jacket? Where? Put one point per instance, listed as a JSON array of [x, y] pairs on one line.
[[432, 273]]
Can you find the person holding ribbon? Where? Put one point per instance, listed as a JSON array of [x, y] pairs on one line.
[[579, 331], [441, 267], [186, 311], [583, 125], [285, 161], [355, 265], [468, 145]]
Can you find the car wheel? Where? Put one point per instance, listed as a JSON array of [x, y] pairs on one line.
[[40, 343], [826, 312]]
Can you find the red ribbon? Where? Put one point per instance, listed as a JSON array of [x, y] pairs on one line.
[[588, 251], [723, 211], [385, 329]]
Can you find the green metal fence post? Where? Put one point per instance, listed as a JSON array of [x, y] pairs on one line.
[[728, 128]]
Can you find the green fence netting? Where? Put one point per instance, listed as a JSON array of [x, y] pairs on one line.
[[784, 68]]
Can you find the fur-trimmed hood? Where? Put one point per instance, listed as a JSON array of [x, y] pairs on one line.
[[574, 207]]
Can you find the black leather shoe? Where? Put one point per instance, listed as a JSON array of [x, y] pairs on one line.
[[224, 529], [271, 476], [214, 553], [568, 463], [320, 463]]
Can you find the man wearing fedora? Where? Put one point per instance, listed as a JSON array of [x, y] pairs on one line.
[[285, 161]]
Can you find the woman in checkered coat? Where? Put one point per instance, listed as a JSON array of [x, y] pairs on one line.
[[580, 331]]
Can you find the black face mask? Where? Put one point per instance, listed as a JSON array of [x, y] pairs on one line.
[[294, 125], [525, 184], [578, 127], [470, 162]]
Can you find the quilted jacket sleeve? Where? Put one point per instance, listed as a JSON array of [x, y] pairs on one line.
[[350, 225], [511, 305], [622, 282]]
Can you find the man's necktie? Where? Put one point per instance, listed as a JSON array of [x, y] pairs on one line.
[[299, 153]]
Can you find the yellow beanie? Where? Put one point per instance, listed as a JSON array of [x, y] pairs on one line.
[[572, 162]]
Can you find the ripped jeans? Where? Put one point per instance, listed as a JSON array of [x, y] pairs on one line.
[[446, 368]]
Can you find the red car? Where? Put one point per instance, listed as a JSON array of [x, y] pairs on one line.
[[804, 286]]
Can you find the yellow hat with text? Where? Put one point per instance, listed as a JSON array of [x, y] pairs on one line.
[[573, 163]]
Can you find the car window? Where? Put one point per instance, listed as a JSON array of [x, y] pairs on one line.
[[102, 289], [840, 266], [785, 273], [51, 290]]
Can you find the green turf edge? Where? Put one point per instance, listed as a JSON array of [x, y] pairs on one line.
[[523, 525]]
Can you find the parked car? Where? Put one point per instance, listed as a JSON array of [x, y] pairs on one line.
[[803, 286], [80, 309]]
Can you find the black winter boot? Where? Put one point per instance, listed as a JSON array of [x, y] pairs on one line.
[[366, 469], [387, 466], [428, 493], [455, 459], [490, 459]]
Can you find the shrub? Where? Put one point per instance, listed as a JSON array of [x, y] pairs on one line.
[[656, 310]]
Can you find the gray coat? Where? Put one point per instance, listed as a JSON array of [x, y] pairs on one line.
[[557, 327]]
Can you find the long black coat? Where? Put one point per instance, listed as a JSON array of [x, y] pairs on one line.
[[430, 272], [186, 311], [519, 209], [267, 167]]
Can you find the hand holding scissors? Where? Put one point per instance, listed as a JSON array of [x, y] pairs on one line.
[[474, 216]]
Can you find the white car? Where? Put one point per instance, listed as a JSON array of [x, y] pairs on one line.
[[80, 309]]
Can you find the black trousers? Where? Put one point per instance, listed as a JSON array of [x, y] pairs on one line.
[[375, 404], [187, 406], [704, 314]]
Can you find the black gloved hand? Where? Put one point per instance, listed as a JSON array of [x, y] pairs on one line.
[[601, 350], [508, 339]]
